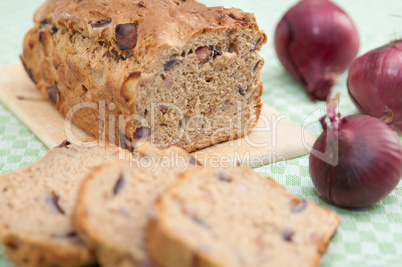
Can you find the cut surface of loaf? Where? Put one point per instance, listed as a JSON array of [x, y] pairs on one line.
[[116, 199], [36, 205], [174, 71], [233, 218]]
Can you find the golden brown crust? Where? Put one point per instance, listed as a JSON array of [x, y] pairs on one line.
[[158, 21]]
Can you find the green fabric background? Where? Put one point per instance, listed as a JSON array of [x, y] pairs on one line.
[[367, 237]]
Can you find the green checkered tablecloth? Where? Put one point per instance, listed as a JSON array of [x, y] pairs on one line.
[[367, 237]]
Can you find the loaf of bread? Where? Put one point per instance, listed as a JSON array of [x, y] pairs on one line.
[[222, 218], [116, 200], [173, 71], [36, 204]]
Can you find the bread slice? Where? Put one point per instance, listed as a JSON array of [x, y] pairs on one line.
[[116, 199], [173, 71], [236, 218], [36, 204]]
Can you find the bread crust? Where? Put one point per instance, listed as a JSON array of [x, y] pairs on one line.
[[158, 20], [77, 58]]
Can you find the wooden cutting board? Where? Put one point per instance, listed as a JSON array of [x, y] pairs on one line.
[[275, 138]]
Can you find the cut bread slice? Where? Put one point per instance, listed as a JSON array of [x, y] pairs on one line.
[[115, 200], [36, 203], [216, 217]]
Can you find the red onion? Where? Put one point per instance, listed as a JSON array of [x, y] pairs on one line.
[[356, 161], [316, 41], [375, 84]]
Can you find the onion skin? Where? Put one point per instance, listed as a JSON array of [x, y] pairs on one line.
[[316, 41], [369, 162], [375, 84]]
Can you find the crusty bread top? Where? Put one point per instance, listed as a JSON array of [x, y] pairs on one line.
[[142, 25]]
